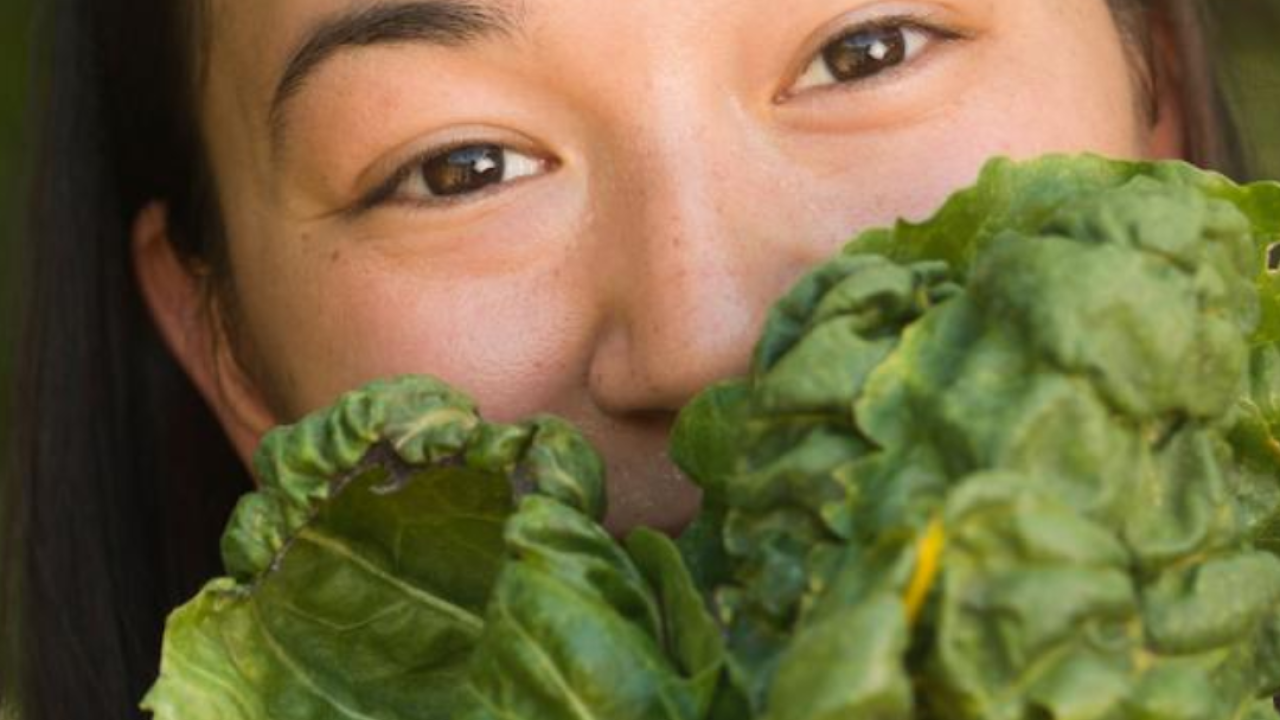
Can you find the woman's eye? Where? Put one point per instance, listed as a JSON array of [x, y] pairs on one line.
[[469, 169], [458, 171], [864, 52]]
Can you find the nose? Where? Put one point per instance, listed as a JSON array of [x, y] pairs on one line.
[[690, 253]]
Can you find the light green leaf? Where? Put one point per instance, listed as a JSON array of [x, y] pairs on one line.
[[1041, 424], [576, 632]]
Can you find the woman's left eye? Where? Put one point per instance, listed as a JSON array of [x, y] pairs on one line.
[[864, 52], [469, 169], [442, 177]]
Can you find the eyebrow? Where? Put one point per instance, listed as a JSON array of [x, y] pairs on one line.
[[444, 23]]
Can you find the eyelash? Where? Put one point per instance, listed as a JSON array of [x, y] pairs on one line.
[[386, 192], [919, 36], [926, 33]]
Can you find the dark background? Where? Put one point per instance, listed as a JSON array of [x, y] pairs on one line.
[[14, 28], [1252, 76], [15, 23]]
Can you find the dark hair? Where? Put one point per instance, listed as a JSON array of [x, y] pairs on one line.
[[1189, 27], [119, 478]]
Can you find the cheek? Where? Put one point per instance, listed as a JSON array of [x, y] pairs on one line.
[[1063, 84], [505, 339], [909, 174]]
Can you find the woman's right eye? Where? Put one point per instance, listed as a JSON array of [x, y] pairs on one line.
[[442, 176], [870, 49]]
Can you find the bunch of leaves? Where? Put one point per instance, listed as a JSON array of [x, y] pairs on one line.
[[1016, 461], [404, 559]]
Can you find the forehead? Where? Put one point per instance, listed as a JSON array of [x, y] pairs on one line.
[[255, 39], [259, 54], [251, 47]]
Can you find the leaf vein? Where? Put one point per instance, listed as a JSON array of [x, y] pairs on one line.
[[571, 696], [289, 662], [463, 616]]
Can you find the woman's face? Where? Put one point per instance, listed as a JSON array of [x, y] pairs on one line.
[[585, 207]]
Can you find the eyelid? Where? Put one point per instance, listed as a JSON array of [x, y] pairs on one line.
[[923, 22], [384, 192]]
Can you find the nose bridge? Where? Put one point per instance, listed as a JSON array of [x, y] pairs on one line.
[[687, 287], [676, 197]]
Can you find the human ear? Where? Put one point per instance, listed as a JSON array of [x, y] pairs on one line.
[[1166, 136], [193, 327]]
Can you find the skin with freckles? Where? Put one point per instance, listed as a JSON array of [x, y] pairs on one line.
[[588, 212]]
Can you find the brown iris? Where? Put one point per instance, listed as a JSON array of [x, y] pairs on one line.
[[464, 170], [865, 52]]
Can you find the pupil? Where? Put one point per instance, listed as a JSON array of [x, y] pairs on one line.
[[865, 52], [464, 170]]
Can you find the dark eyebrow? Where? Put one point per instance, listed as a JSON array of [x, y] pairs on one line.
[[448, 23]]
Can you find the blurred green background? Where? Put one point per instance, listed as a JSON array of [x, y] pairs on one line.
[[1251, 40]]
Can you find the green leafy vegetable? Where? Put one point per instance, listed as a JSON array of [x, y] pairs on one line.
[[1015, 462], [403, 559], [1026, 449]]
